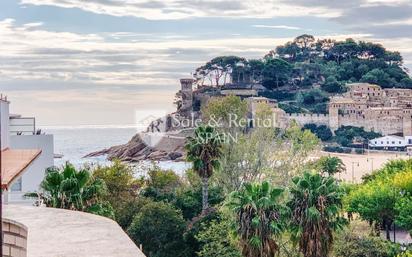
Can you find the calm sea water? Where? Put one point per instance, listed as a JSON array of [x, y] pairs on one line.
[[75, 142]]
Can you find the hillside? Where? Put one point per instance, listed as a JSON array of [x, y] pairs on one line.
[[304, 73]]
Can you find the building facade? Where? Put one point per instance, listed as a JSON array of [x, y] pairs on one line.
[[20, 140]]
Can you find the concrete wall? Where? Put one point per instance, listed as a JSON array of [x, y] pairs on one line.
[[34, 174], [4, 130], [15, 239]]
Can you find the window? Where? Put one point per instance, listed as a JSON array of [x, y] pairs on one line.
[[16, 187], [393, 142]]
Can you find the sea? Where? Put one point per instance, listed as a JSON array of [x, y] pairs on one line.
[[74, 142]]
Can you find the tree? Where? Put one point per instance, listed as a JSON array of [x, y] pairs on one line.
[[276, 73], [332, 85], [216, 240], [315, 203], [69, 188], [259, 217], [159, 228], [218, 69], [224, 110], [204, 151], [121, 184], [330, 165], [161, 185]]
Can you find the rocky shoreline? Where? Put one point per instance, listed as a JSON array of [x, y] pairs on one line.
[[167, 148]]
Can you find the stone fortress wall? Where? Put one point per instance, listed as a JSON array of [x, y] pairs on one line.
[[387, 111]]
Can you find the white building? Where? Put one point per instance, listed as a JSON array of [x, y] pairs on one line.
[[27, 153], [388, 142]]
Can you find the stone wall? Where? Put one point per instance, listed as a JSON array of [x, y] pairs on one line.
[[305, 118], [15, 239]]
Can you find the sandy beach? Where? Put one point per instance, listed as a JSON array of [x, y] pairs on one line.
[[358, 165]]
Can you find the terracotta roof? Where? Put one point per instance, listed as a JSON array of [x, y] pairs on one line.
[[14, 162]]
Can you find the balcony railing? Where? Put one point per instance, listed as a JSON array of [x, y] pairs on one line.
[[23, 126]]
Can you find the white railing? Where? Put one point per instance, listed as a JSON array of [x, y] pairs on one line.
[[23, 126]]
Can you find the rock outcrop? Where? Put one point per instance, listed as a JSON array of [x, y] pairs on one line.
[[167, 148]]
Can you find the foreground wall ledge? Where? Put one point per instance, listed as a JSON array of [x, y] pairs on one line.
[[50, 232]]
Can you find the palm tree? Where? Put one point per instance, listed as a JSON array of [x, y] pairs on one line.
[[68, 188], [204, 151], [331, 165], [259, 218], [315, 203]]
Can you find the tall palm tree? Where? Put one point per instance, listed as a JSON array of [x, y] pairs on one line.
[[259, 215], [204, 150], [315, 203]]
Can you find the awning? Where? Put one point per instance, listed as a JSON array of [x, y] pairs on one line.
[[14, 162]]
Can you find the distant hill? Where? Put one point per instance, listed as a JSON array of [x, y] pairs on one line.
[[304, 73]]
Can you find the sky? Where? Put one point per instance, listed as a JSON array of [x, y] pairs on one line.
[[99, 62]]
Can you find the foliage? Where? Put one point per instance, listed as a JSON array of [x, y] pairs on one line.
[[346, 134], [159, 228], [322, 131], [204, 151], [291, 108], [69, 188], [350, 244], [315, 203], [384, 197], [122, 186], [259, 217], [329, 165], [225, 109], [128, 210], [161, 185], [218, 69], [216, 240], [276, 73], [403, 208], [189, 200]]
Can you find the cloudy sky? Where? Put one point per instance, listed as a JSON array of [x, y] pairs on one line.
[[77, 62]]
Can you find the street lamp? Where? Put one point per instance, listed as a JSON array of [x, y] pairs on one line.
[[353, 170]]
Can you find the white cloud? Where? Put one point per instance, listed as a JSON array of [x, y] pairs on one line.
[[178, 9], [277, 27]]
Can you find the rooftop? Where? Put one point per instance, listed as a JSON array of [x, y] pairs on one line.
[[14, 162], [64, 233]]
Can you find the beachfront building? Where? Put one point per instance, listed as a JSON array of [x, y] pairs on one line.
[[26, 152], [393, 142]]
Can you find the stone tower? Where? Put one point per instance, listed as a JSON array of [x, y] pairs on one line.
[[187, 95], [333, 117], [407, 123]]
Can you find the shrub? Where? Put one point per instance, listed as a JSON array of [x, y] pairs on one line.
[[350, 244], [159, 228], [216, 241], [321, 131]]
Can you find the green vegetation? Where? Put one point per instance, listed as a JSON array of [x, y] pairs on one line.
[[204, 151], [259, 215], [384, 197], [159, 228], [321, 131], [315, 204], [69, 188], [305, 71], [257, 196]]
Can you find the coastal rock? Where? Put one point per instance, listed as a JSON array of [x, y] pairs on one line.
[[174, 155], [168, 148]]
